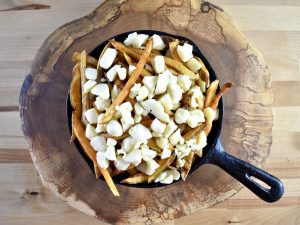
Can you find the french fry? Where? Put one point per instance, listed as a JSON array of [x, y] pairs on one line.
[[129, 60], [185, 101], [136, 53], [210, 93], [90, 152], [75, 94], [96, 170], [125, 91], [207, 129], [164, 163], [204, 74], [225, 87], [187, 166], [120, 84], [152, 144], [133, 171], [90, 59], [85, 98], [106, 135], [191, 133], [174, 72], [136, 179], [146, 122], [173, 49]]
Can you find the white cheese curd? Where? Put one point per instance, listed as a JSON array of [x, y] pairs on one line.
[[127, 118], [145, 113], [156, 108], [184, 82], [130, 38], [166, 101], [111, 142], [180, 162], [196, 116], [161, 176], [174, 173], [202, 140], [102, 104], [121, 164], [182, 150], [90, 131], [100, 117], [130, 143], [140, 133], [193, 65], [112, 73], [91, 115], [147, 153], [98, 143], [90, 73], [138, 108], [162, 83], [166, 153], [158, 64], [114, 128], [172, 78], [102, 160], [115, 92], [148, 167], [100, 128], [122, 73], [131, 68], [101, 90], [162, 142], [135, 90], [110, 153], [176, 137], [181, 115], [88, 86], [185, 52], [170, 128], [143, 93], [175, 92], [150, 83], [125, 125], [168, 179], [158, 43], [134, 157], [139, 40], [108, 58], [209, 114], [103, 80], [137, 118], [126, 106], [157, 126]]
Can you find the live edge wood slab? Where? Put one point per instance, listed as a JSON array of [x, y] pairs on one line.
[[248, 117]]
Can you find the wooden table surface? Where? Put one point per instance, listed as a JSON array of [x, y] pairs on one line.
[[272, 26]]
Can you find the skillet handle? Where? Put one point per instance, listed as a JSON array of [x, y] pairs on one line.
[[243, 171]]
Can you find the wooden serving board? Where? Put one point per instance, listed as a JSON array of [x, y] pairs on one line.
[[248, 118]]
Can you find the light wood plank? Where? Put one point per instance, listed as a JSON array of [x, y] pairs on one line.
[[9, 5]]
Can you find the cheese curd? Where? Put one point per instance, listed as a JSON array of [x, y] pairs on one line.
[[158, 43], [101, 90], [112, 73], [102, 160], [108, 58], [91, 115], [102, 104], [140, 133], [90, 131], [90, 73], [156, 108], [88, 86], [114, 128], [184, 82], [196, 117], [122, 72], [193, 65], [143, 93], [158, 127], [98, 143], [158, 64], [185, 52], [150, 83], [162, 83], [134, 157], [134, 91], [181, 115], [148, 167]]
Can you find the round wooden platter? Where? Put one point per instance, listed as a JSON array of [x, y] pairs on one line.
[[247, 129]]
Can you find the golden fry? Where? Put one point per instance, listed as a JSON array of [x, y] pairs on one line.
[[225, 87], [210, 93], [106, 135], [90, 59], [133, 171], [164, 163], [152, 145], [90, 152], [131, 81], [187, 166], [204, 74], [136, 179], [96, 170], [85, 97], [173, 49], [192, 132]]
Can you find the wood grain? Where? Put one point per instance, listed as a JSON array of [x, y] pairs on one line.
[[11, 5], [281, 52]]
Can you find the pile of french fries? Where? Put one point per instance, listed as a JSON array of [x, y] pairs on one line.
[[144, 108]]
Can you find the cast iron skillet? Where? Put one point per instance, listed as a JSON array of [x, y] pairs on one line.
[[214, 152]]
